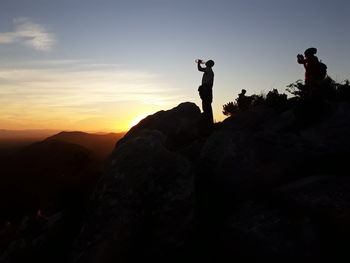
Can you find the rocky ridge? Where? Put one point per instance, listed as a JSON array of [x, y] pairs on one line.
[[262, 186], [256, 188]]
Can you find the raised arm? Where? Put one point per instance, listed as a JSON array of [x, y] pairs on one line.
[[199, 66]]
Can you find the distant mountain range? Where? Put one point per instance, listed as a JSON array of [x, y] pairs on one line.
[[11, 140], [29, 133], [101, 145]]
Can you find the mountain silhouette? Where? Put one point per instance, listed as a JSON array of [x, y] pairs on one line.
[[14, 140], [101, 145]]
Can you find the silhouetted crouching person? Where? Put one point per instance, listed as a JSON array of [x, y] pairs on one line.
[[206, 91], [243, 101]]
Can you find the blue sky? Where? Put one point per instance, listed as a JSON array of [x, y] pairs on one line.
[[110, 62]]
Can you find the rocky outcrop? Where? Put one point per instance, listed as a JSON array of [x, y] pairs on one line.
[[265, 185], [145, 201], [179, 125], [169, 191]]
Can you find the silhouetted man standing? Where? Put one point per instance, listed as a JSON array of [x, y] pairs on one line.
[[206, 90]]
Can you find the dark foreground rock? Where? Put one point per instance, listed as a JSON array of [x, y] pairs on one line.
[[170, 194], [305, 221], [263, 186], [145, 201], [178, 125]]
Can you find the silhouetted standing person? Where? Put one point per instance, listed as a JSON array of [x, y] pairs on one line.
[[315, 71], [206, 90]]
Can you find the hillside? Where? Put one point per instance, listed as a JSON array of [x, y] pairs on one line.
[[268, 184]]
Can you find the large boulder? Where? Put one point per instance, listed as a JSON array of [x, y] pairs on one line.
[[261, 149], [169, 193], [179, 125], [143, 206]]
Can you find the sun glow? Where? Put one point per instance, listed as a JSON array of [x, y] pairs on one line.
[[138, 119]]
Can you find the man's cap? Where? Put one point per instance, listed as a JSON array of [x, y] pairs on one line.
[[310, 51]]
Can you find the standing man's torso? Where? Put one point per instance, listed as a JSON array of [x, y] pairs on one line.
[[208, 77]]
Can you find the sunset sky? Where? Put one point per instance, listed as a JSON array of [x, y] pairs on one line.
[[101, 65]]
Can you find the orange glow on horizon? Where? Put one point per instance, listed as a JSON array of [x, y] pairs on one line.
[[90, 97]]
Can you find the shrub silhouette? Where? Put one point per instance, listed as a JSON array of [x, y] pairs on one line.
[[328, 89], [276, 100], [343, 90], [298, 89], [313, 103], [232, 108], [258, 99], [229, 109], [309, 103], [273, 99]]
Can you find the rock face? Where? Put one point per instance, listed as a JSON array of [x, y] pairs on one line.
[[253, 161], [170, 194], [265, 185], [145, 201], [179, 125]]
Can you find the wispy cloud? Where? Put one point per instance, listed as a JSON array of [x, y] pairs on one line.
[[77, 85], [67, 92], [30, 34]]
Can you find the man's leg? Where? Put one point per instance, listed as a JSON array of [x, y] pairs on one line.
[[208, 111]]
